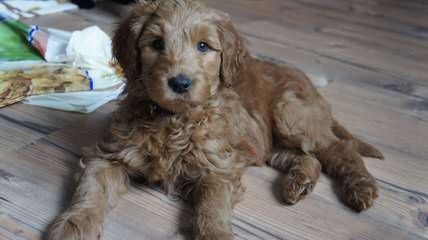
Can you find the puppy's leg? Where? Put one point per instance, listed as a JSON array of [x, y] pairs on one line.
[[303, 120], [100, 186], [214, 198], [301, 174], [341, 160]]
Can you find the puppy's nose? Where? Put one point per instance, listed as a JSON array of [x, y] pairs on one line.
[[180, 84]]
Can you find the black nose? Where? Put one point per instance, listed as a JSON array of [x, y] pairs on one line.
[[180, 84]]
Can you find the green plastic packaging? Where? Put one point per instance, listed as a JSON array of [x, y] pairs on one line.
[[13, 43]]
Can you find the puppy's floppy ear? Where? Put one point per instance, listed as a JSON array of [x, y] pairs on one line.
[[126, 36], [233, 53]]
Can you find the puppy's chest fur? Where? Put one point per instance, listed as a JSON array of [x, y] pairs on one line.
[[217, 138]]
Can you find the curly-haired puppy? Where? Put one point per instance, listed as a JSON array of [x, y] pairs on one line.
[[198, 110]]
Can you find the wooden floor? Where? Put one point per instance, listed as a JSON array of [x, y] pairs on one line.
[[374, 51]]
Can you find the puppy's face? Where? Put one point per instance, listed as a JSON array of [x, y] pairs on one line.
[[178, 53]]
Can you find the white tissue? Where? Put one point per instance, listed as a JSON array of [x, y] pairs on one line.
[[90, 48]]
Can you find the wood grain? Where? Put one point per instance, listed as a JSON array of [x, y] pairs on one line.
[[375, 53]]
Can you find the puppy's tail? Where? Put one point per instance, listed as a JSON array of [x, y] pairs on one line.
[[365, 149]]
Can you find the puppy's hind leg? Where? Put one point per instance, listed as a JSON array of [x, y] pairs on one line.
[[306, 123], [100, 186], [297, 122], [301, 174], [341, 160]]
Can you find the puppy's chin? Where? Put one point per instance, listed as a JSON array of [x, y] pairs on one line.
[[177, 103], [175, 106]]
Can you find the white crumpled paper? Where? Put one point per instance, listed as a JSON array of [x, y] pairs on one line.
[[90, 50]]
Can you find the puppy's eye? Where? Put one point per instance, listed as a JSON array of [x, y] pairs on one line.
[[158, 44], [203, 46]]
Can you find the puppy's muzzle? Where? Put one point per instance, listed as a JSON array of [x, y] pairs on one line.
[[180, 84]]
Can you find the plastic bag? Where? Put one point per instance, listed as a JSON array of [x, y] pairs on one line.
[[87, 52]]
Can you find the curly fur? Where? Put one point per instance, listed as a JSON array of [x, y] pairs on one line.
[[240, 111]]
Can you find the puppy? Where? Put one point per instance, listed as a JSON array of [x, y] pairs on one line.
[[198, 110]]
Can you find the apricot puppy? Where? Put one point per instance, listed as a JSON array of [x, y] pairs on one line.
[[198, 110]]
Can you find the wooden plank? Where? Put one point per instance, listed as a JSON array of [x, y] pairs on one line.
[[47, 173], [145, 209], [17, 229], [14, 135], [351, 53]]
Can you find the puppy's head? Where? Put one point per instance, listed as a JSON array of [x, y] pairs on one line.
[[178, 53]]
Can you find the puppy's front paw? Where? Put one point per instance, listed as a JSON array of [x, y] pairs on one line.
[[359, 193], [296, 186], [75, 227]]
